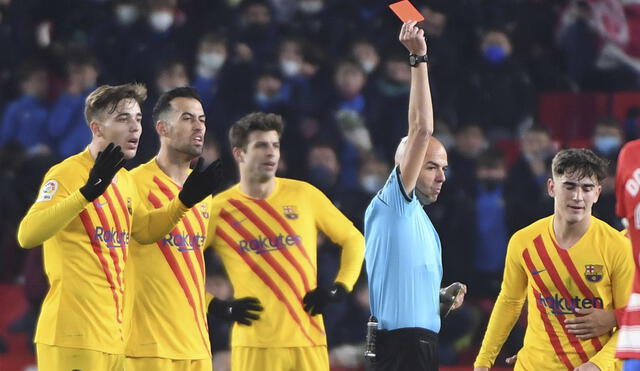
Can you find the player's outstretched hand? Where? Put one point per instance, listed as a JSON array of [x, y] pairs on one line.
[[243, 310], [412, 38], [591, 323], [201, 183], [107, 164], [316, 300]]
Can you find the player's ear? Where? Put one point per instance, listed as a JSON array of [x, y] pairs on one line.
[[550, 189], [598, 191], [96, 129], [238, 154], [162, 128]]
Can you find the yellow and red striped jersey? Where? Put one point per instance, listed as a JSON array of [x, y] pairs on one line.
[[269, 248], [596, 272], [85, 250], [166, 279]]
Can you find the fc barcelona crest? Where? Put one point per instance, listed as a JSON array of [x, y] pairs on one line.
[[593, 272], [129, 208], [291, 212]]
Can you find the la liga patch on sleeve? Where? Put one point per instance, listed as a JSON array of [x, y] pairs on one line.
[[48, 190]]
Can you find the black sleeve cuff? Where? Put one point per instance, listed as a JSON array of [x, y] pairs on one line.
[[401, 186]]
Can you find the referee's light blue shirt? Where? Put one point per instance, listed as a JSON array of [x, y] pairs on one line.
[[403, 259]]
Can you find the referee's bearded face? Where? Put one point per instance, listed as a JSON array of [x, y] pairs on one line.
[[259, 161], [123, 126], [432, 175], [184, 129]]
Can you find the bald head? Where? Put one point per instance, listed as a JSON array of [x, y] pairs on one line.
[[435, 145]]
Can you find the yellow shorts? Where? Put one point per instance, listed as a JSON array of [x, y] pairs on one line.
[[165, 364], [280, 359], [55, 358]]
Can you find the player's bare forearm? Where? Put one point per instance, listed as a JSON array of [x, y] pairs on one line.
[[420, 115]]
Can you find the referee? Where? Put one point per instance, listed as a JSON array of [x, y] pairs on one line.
[[403, 255]]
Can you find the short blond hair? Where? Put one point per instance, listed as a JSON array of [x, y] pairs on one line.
[[106, 97]]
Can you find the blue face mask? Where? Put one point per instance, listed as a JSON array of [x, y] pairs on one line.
[[606, 144], [495, 54]]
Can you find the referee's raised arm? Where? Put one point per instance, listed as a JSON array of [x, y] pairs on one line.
[[420, 107]]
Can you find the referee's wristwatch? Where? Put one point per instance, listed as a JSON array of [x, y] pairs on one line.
[[414, 59]]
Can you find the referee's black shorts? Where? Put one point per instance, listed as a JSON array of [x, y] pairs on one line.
[[410, 349]]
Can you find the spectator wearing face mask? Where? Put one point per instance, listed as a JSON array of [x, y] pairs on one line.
[[216, 76], [165, 34], [111, 41], [389, 99], [606, 142], [496, 93], [470, 142], [367, 54], [300, 73], [324, 172], [526, 195], [608, 138], [210, 63]]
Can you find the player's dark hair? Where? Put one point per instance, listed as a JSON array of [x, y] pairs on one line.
[[255, 121], [580, 163], [106, 98], [163, 105]]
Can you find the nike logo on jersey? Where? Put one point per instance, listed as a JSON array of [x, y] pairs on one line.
[[235, 224], [534, 272], [100, 204]]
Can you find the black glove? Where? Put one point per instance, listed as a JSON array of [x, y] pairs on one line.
[[315, 300], [200, 184], [241, 310], [104, 169]]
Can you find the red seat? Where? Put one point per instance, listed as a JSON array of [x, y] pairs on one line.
[[570, 116], [621, 103], [580, 143]]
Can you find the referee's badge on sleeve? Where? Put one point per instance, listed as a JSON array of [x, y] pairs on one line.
[[48, 190]]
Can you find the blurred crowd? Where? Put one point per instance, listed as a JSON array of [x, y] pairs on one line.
[[337, 74]]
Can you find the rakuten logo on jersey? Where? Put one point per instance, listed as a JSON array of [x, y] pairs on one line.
[[184, 241], [560, 305], [264, 244], [111, 238]]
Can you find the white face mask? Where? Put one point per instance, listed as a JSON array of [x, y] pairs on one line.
[[161, 20], [368, 66], [212, 61], [127, 14], [290, 68], [311, 7], [372, 183]]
